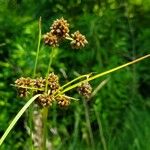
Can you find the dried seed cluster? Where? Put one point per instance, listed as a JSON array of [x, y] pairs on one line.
[[59, 30], [78, 41], [85, 89], [45, 100], [50, 39], [63, 100], [38, 85], [53, 83], [21, 83]]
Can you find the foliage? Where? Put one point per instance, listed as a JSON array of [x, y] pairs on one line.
[[117, 32]]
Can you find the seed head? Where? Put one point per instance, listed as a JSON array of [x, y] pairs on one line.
[[63, 100], [60, 28], [78, 41], [50, 39], [45, 100], [24, 83], [22, 92], [85, 89], [39, 83], [53, 82]]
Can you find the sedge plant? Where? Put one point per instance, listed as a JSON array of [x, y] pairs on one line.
[[47, 91]]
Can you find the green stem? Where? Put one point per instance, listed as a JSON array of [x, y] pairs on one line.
[[103, 73], [44, 116], [100, 130], [76, 129], [78, 78], [38, 48], [34, 73], [49, 66], [45, 110], [88, 123]]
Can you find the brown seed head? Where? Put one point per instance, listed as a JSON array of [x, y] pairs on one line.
[[22, 92], [53, 82], [24, 83], [85, 89], [45, 100], [60, 28], [78, 41], [50, 39], [63, 100], [40, 84]]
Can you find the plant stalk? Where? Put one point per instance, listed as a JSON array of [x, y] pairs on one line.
[[38, 49], [103, 141], [34, 73], [49, 66], [103, 73], [44, 118], [45, 110], [88, 124]]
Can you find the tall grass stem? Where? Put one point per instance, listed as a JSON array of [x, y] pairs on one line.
[[88, 124], [38, 48], [34, 73], [45, 110], [103, 141], [44, 116]]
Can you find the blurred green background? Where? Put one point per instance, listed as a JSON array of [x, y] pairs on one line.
[[118, 31]]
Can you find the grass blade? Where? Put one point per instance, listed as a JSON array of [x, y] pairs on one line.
[[12, 124]]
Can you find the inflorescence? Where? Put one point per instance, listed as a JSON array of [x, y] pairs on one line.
[[59, 31], [49, 87]]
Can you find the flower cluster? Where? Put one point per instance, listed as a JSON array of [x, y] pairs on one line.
[[85, 89], [59, 30], [49, 87], [22, 84], [38, 85], [78, 41]]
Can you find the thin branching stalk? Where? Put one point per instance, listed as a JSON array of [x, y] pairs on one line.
[[45, 110], [103, 141], [88, 124], [76, 129], [14, 121], [100, 129], [38, 49], [103, 73], [49, 66], [97, 89], [74, 80], [133, 44]]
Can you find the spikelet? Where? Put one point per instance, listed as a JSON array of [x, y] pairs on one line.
[[60, 28], [78, 41]]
